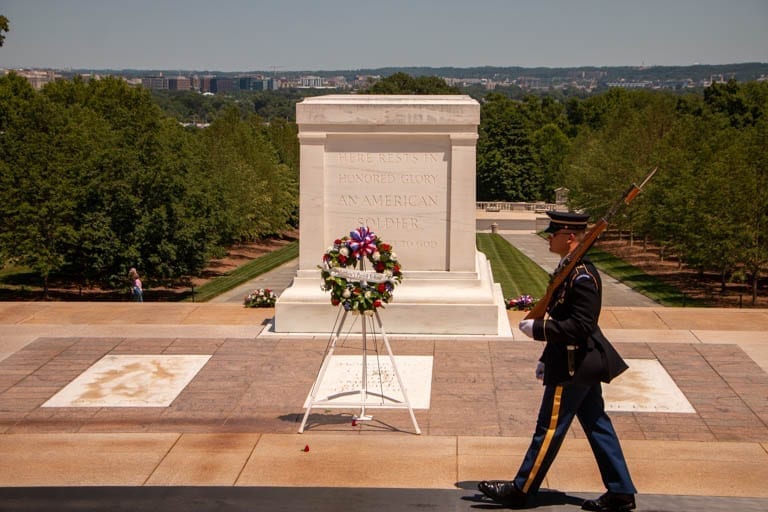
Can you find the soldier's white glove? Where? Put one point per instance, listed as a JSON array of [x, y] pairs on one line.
[[526, 326], [540, 371]]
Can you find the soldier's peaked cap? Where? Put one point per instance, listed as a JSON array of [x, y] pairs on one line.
[[566, 220]]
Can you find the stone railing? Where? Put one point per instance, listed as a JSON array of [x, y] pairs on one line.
[[498, 206]]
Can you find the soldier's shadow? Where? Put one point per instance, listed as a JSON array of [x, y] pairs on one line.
[[544, 498]]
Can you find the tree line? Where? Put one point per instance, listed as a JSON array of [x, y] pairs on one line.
[[99, 176], [708, 203], [95, 178]]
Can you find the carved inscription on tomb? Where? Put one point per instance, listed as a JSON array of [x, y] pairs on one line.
[[401, 195]]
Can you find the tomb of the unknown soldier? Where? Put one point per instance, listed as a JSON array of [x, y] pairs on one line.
[[403, 167]]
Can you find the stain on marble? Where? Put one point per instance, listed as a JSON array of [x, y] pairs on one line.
[[130, 381]]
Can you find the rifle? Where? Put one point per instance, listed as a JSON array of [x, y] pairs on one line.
[[540, 309]]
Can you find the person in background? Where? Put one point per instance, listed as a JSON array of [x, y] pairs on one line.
[[571, 379], [137, 292]]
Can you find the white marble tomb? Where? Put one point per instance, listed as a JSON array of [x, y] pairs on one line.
[[404, 166]]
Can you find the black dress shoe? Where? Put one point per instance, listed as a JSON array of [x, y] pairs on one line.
[[503, 491], [611, 502]]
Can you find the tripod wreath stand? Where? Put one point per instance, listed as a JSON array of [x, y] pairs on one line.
[[365, 396]]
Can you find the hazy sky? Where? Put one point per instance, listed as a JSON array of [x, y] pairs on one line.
[[244, 35]]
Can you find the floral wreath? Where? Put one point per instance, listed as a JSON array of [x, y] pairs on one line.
[[521, 303], [260, 298], [360, 291]]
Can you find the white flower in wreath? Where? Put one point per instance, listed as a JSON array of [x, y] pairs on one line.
[[376, 256], [344, 251], [392, 256], [346, 293], [367, 295]]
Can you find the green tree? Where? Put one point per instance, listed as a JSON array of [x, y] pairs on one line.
[[505, 165], [708, 202], [284, 136], [255, 193], [96, 179], [549, 146], [403, 83], [280, 104], [722, 204], [46, 152], [618, 150], [742, 104], [747, 177], [3, 28], [140, 204]]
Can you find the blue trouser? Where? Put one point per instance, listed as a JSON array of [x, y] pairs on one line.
[[558, 407]]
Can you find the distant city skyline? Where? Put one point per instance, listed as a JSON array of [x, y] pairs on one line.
[[303, 35]]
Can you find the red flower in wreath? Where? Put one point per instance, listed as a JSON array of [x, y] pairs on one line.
[[361, 246]]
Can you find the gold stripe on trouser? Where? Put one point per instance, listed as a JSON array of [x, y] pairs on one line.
[[547, 438]]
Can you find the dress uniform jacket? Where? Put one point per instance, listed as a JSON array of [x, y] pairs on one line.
[[575, 307]]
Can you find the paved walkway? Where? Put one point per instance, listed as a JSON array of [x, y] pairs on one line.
[[276, 280], [536, 248], [232, 429]]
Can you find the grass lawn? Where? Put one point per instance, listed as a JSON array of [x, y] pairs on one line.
[[514, 271], [250, 270], [518, 275], [633, 277]]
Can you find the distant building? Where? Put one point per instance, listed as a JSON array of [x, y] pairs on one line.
[[364, 81], [220, 85], [179, 83], [207, 83], [641, 84], [469, 82], [257, 83], [36, 78], [528, 82], [163, 83], [312, 81], [157, 83], [339, 82], [216, 85]]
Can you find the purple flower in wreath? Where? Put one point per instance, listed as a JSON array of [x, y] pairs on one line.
[[362, 242], [360, 295], [523, 302]]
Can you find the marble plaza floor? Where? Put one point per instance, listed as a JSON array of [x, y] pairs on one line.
[[105, 397]]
